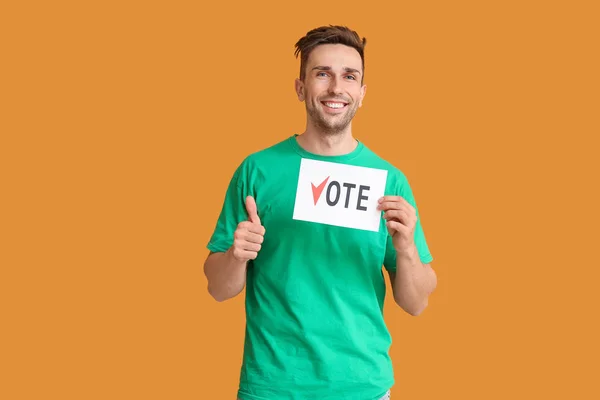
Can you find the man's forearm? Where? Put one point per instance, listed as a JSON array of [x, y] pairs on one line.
[[226, 275], [414, 281]]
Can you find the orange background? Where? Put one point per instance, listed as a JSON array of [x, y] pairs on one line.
[[121, 123]]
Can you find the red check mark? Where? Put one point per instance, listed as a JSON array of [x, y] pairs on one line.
[[317, 190]]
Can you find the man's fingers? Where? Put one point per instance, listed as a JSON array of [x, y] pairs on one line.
[[397, 226], [252, 227], [252, 210], [401, 201], [245, 255], [399, 215], [253, 237], [397, 205], [248, 236], [245, 245]]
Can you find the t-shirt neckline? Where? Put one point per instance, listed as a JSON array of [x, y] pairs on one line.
[[341, 157]]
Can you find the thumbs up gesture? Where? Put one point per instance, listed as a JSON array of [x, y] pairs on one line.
[[249, 235]]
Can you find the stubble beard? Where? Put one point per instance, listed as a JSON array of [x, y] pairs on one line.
[[331, 125]]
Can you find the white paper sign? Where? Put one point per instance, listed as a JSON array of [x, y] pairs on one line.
[[338, 194]]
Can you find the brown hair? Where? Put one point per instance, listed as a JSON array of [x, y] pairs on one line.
[[332, 34]]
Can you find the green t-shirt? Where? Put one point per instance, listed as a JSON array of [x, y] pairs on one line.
[[315, 292]]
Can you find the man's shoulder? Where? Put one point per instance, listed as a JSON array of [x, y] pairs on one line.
[[278, 148], [379, 162], [269, 156]]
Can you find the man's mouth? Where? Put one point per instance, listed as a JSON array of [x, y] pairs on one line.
[[336, 105]]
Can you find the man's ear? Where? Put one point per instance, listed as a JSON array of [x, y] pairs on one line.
[[299, 86], [363, 92]]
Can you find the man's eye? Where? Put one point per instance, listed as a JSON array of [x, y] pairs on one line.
[[351, 77]]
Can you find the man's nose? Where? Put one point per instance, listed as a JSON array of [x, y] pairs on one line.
[[335, 86]]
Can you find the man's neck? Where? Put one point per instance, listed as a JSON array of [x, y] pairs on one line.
[[327, 144]]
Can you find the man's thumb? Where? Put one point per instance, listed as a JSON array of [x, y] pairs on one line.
[[252, 210]]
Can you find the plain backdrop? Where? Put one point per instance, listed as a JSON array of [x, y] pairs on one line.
[[122, 122]]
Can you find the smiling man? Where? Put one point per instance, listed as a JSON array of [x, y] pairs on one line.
[[307, 227]]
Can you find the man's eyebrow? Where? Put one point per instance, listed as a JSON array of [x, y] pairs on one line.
[[348, 69], [327, 68]]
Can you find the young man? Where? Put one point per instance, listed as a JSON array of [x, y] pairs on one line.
[[306, 226]]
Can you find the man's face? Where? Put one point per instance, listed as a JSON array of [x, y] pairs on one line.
[[332, 87]]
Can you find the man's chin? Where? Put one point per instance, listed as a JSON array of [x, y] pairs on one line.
[[331, 123], [334, 119], [333, 128]]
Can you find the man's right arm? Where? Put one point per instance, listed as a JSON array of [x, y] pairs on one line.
[[226, 275], [226, 271]]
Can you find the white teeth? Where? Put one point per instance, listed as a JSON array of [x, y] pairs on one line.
[[334, 105]]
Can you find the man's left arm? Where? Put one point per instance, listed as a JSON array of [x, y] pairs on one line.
[[412, 282]]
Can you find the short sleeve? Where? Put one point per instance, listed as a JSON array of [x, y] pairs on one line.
[[233, 211], [406, 192]]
